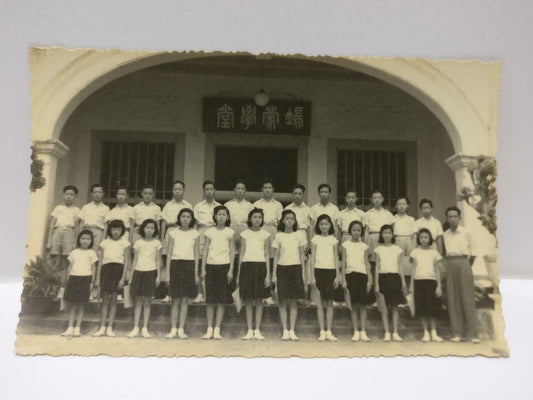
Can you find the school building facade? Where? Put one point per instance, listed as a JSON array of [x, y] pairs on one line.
[[408, 127]]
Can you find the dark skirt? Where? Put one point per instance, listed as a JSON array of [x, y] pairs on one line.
[[143, 283], [217, 290], [356, 283], [427, 304], [325, 278], [110, 276], [78, 289], [390, 285], [182, 282], [252, 280], [290, 282]]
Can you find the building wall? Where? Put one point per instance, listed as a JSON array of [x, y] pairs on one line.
[[171, 103]]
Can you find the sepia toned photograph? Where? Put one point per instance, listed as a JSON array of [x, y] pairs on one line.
[[193, 204]]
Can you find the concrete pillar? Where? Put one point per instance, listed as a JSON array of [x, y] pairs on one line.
[[41, 201], [317, 167], [194, 170]]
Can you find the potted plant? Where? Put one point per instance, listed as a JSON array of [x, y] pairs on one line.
[[40, 287]]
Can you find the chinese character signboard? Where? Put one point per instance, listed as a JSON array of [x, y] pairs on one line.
[[278, 117]]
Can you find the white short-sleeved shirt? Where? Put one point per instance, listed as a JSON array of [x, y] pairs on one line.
[[325, 256], [184, 242], [93, 214], [432, 224], [458, 243], [203, 212], [143, 211], [404, 225], [376, 219], [347, 216], [355, 256], [65, 216], [218, 253], [289, 245], [114, 250], [172, 209], [329, 209], [272, 210], [303, 214], [124, 213], [146, 254], [425, 262], [388, 257], [238, 211], [255, 245], [82, 261]]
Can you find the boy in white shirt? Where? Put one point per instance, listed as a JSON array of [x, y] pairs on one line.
[[302, 212], [172, 209], [144, 210], [430, 223], [376, 217], [349, 214], [122, 211], [92, 215], [325, 206]]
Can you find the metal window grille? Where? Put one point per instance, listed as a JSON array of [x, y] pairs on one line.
[[365, 171], [133, 164]]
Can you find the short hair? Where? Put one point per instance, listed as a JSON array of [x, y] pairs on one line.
[[208, 182], [183, 211], [281, 224], [70, 187], [96, 185], [85, 232], [116, 223], [219, 208], [143, 226], [146, 186], [404, 198], [353, 223], [320, 219], [267, 181], [299, 186], [123, 188], [425, 201], [376, 191], [384, 228], [324, 185], [452, 208], [255, 211], [180, 182], [424, 230], [351, 190], [241, 182]]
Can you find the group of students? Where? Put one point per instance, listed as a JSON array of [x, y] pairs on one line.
[[266, 252]]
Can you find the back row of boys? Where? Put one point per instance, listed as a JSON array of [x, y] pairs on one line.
[[67, 220]]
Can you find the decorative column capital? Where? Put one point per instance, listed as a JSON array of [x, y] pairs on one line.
[[458, 161], [51, 146]]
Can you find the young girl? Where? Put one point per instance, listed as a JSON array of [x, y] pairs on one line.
[[254, 271], [390, 280], [112, 265], [182, 266], [146, 274], [289, 264], [358, 278], [217, 268], [426, 283], [325, 263], [80, 278]]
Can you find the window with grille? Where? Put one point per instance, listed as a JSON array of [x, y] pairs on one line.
[[133, 164], [365, 171]]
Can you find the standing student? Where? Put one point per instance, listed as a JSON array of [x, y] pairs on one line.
[[171, 210], [182, 267], [92, 215], [80, 279], [357, 277], [203, 212], [272, 210], [460, 279], [61, 238], [146, 274], [254, 272], [404, 232], [325, 263], [145, 210], [217, 269], [426, 284], [376, 217], [349, 214], [302, 212], [431, 223], [122, 211], [325, 206], [289, 264], [390, 280], [112, 266]]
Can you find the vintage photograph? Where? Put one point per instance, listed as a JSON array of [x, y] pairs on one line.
[[261, 205]]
